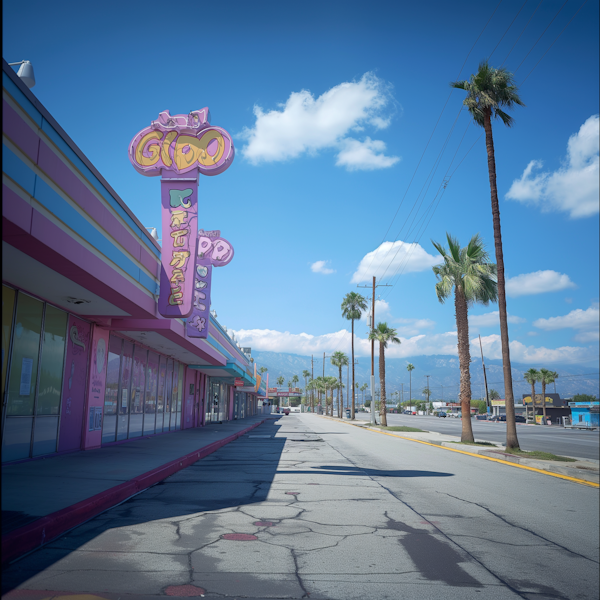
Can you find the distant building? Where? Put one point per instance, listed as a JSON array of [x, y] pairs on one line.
[[585, 413]]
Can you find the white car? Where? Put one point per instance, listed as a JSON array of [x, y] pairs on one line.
[[295, 409]]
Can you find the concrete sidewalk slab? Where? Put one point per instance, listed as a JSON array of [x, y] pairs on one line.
[[42, 499]]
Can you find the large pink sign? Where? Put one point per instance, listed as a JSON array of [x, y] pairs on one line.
[[213, 251], [181, 144], [179, 148]]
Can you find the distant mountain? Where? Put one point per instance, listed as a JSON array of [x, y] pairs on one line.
[[442, 369]]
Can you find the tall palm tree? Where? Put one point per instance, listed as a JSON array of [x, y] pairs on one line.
[[262, 370], [353, 306], [295, 380], [545, 377], [468, 271], [383, 334], [339, 359], [280, 380], [532, 376], [306, 375], [332, 383], [410, 368], [487, 91]]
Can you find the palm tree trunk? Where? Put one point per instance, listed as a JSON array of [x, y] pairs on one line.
[[509, 400], [352, 411], [464, 359], [532, 402], [544, 401], [340, 396], [410, 387], [382, 410]]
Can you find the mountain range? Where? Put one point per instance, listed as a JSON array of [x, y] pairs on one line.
[[443, 371]]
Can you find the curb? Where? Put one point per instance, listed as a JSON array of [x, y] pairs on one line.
[[553, 471], [46, 529]]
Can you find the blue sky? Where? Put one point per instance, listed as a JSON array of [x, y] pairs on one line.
[[331, 106]]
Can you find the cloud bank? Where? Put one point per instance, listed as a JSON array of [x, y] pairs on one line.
[[391, 256], [573, 188], [538, 282], [586, 322], [492, 319], [306, 125]]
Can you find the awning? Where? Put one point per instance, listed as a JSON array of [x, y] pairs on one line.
[[228, 374]]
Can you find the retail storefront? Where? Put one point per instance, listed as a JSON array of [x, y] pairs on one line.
[[87, 357]]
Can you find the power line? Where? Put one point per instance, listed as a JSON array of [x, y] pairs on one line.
[[522, 32]]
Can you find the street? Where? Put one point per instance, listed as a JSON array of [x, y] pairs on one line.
[[554, 439], [304, 506]]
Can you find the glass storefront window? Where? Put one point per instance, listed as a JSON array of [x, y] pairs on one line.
[[125, 391], [168, 394], [24, 362], [150, 402], [8, 308], [160, 398], [136, 418], [111, 396], [52, 363]]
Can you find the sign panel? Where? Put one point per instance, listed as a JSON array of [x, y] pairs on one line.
[[213, 251], [239, 382]]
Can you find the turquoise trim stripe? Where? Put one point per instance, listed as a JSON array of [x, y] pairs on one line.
[[19, 172], [49, 130]]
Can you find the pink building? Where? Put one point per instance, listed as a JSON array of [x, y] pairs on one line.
[[87, 359]]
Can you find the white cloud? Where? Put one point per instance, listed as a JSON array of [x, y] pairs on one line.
[[382, 310], [492, 319], [321, 267], [492, 348], [364, 156], [538, 282], [586, 322], [412, 327], [573, 188], [385, 261], [305, 124]]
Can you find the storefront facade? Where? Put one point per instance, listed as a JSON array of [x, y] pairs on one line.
[[87, 359]]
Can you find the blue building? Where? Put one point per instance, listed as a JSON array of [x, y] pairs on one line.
[[585, 413]]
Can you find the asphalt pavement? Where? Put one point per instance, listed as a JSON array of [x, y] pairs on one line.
[[308, 507], [546, 438]]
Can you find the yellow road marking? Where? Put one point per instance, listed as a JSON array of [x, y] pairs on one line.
[[498, 460]]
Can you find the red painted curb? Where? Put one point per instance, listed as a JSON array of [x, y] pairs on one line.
[[48, 528]]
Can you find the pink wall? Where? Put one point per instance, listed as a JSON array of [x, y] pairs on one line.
[[96, 383], [74, 384]]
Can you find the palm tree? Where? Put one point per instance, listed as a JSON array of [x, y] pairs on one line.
[[353, 306], [473, 278], [383, 334], [363, 387], [410, 368], [546, 377], [427, 392], [262, 370], [295, 380], [487, 91], [339, 359], [532, 376], [332, 383], [280, 380]]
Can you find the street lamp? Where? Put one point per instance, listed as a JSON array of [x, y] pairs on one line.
[[25, 72]]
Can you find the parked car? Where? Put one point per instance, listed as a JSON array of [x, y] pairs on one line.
[[408, 412], [520, 419], [441, 414], [498, 418], [481, 417], [285, 411]]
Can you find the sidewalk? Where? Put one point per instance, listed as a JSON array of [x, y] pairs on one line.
[[42, 499], [585, 470]]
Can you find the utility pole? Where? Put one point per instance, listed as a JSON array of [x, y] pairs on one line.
[[373, 419], [428, 395], [487, 396]]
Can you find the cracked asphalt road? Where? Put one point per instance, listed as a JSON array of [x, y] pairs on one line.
[[305, 507]]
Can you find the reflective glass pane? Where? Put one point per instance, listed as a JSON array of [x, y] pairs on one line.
[[24, 362], [160, 398], [136, 417], [111, 395], [174, 395], [8, 305], [150, 403], [168, 395], [51, 368], [125, 390], [44, 435], [17, 438], [178, 421]]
